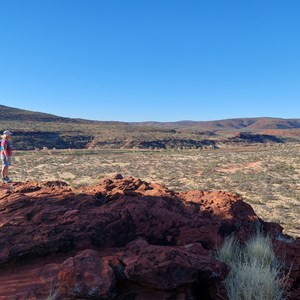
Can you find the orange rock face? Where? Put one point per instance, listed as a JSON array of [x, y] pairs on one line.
[[122, 239]]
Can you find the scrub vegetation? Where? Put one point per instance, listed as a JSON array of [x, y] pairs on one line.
[[267, 176], [256, 274]]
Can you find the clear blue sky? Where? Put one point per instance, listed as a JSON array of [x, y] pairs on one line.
[[151, 60]]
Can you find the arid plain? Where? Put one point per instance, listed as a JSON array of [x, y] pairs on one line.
[[267, 176]]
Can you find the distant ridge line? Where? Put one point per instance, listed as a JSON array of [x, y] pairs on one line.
[[252, 124]]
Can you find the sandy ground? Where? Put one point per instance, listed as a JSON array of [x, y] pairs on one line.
[[268, 178]]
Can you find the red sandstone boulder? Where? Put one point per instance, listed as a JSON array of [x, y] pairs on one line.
[[87, 275], [169, 267], [147, 242], [288, 251]]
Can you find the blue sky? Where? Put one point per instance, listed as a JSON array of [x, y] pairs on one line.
[[155, 60]]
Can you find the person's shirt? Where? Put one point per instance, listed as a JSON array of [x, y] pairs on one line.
[[9, 148]]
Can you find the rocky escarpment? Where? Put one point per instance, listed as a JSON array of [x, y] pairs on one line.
[[123, 239], [251, 138], [30, 140], [169, 143]]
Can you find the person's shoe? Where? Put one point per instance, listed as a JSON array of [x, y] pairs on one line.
[[7, 179], [4, 180]]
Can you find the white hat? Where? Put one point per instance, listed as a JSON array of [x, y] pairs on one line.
[[7, 132]]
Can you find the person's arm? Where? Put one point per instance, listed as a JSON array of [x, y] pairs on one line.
[[4, 146]]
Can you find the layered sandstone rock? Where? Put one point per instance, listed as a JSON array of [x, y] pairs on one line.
[[123, 239]]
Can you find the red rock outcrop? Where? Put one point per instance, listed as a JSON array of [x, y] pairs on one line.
[[122, 239]]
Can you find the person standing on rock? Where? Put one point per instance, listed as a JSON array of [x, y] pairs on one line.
[[6, 153]]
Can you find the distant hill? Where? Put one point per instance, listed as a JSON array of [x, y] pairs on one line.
[[38, 130], [16, 114], [253, 124]]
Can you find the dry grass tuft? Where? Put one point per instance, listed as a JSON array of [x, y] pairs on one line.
[[53, 295], [256, 274]]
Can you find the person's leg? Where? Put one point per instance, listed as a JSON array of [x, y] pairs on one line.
[[5, 164], [5, 171], [8, 163]]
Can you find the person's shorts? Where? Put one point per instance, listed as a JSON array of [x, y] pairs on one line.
[[5, 162]]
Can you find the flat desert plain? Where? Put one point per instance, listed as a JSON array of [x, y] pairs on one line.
[[267, 176]]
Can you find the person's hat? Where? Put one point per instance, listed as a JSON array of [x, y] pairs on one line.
[[7, 132]]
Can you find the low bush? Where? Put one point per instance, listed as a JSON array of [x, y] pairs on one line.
[[256, 273]]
